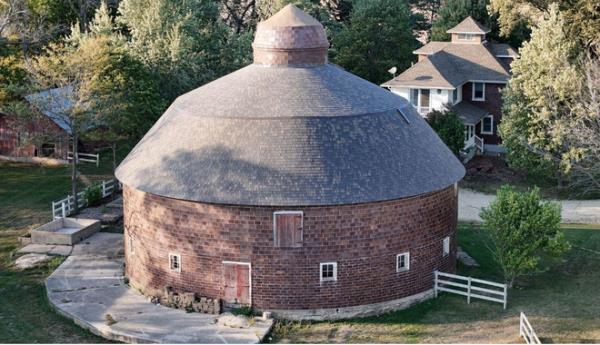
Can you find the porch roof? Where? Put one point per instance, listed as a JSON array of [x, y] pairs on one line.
[[468, 113]]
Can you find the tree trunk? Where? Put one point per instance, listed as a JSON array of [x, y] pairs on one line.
[[74, 173], [114, 156]]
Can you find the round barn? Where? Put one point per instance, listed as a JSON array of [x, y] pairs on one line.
[[292, 186]]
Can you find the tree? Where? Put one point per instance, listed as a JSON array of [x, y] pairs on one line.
[[125, 100], [378, 37], [180, 41], [581, 16], [519, 227], [545, 83], [448, 127], [581, 161], [453, 12]]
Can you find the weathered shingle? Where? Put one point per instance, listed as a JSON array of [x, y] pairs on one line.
[[290, 136], [469, 26]]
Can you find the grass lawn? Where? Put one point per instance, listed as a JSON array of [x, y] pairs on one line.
[[25, 315], [563, 305]]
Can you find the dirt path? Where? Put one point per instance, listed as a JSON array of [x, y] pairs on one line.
[[470, 204]]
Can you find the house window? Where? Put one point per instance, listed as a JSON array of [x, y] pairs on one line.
[[175, 262], [487, 125], [439, 91], [287, 229], [328, 271], [466, 37], [446, 246], [478, 92], [414, 97], [403, 262], [454, 96]]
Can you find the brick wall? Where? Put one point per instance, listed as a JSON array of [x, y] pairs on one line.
[[492, 103], [363, 239]]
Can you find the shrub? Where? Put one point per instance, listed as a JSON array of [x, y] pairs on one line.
[[448, 127], [520, 228], [93, 196]]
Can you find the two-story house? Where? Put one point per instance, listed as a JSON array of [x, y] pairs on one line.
[[466, 75]]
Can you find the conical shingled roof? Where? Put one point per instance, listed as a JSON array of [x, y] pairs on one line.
[[292, 132]]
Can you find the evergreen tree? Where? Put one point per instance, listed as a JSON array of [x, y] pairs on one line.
[[537, 100], [379, 36], [180, 41]]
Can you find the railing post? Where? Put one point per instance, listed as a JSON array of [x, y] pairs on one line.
[[53, 211], [104, 189], [505, 296], [435, 283], [469, 290], [521, 334], [64, 211], [97, 160]]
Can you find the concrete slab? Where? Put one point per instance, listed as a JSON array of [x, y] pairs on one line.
[[31, 260], [89, 288], [49, 249]]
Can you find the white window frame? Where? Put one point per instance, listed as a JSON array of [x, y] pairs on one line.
[[171, 256], [446, 246], [327, 279], [491, 127], [473, 98], [466, 36], [406, 267], [276, 213]]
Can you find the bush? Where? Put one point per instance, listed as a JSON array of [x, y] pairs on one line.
[[448, 127], [520, 227], [93, 196]]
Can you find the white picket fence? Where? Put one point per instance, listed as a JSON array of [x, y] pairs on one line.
[[85, 157], [526, 331], [64, 207], [470, 287]]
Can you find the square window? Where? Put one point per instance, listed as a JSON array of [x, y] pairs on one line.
[[328, 271], [446, 245], [403, 262], [175, 262], [287, 229], [478, 92], [487, 125]]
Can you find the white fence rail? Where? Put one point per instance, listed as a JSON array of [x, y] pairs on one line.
[[470, 287], [64, 207], [526, 331], [85, 157]]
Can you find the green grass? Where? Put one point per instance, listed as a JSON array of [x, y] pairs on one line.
[[25, 315], [562, 303]]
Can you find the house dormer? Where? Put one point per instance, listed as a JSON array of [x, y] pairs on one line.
[[469, 31]]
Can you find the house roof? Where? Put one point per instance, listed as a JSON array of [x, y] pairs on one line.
[[503, 50], [468, 113], [290, 136], [54, 104], [451, 65], [469, 26]]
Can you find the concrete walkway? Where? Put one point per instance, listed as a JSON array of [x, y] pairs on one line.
[[89, 288], [470, 204]]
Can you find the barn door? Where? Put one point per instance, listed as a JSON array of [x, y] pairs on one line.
[[236, 283]]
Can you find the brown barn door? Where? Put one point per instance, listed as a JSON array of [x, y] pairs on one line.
[[236, 284]]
